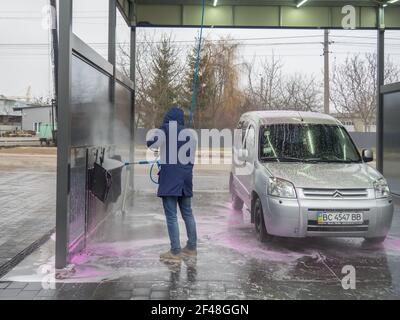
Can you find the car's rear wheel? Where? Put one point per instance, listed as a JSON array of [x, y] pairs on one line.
[[259, 223], [376, 240]]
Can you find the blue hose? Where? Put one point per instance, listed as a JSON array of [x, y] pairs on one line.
[[141, 162], [144, 162], [151, 170]]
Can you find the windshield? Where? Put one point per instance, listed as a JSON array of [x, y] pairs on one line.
[[307, 142]]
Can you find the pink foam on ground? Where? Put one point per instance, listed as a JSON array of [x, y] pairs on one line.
[[233, 233], [121, 250], [392, 244], [254, 249], [88, 272]]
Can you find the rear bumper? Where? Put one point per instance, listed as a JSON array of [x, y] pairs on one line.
[[297, 217]]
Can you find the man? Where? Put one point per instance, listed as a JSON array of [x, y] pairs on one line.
[[176, 186]]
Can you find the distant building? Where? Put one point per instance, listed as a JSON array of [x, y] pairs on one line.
[[18, 115], [353, 123], [34, 115], [10, 120]]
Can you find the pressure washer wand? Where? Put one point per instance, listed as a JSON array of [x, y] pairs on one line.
[[142, 162]]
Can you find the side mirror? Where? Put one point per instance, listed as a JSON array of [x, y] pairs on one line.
[[243, 154], [367, 155]]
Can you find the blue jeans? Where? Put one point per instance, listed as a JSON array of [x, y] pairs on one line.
[[170, 209]]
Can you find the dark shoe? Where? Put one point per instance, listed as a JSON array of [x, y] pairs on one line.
[[170, 257], [189, 253]]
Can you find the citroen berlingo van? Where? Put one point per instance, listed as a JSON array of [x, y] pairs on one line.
[[301, 175]]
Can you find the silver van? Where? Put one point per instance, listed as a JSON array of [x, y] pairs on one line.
[[301, 175]]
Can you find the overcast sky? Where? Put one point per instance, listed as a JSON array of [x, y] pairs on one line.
[[25, 49]]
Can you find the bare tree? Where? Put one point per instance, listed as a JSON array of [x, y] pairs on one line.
[[272, 90], [217, 91], [43, 101], [264, 89], [142, 79], [300, 92], [227, 92], [354, 86]]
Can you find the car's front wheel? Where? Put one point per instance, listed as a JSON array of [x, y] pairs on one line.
[[259, 223], [376, 240]]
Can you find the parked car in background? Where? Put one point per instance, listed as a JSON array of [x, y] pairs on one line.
[[301, 175]]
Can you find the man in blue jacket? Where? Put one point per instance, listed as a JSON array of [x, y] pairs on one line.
[[176, 185]]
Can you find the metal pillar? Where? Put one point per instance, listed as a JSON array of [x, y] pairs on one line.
[[326, 71], [112, 22], [380, 83], [54, 53], [64, 133], [133, 78]]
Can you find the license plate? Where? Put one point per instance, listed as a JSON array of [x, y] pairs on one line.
[[340, 218]]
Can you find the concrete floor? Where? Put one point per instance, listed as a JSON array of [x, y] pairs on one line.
[[27, 212], [27, 201], [122, 262]]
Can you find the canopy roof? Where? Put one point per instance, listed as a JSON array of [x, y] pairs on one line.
[[330, 3], [262, 13]]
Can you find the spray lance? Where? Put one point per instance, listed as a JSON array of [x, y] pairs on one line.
[[153, 163]]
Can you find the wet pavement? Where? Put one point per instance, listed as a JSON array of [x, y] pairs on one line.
[[121, 262], [27, 213], [27, 199]]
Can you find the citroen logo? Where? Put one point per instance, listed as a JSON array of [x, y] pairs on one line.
[[337, 194]]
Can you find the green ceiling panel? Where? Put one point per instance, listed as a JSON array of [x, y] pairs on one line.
[[392, 18], [256, 16], [159, 14], [260, 16], [305, 17], [368, 17], [214, 16]]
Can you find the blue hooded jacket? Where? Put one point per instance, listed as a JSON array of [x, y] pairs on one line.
[[175, 179]]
